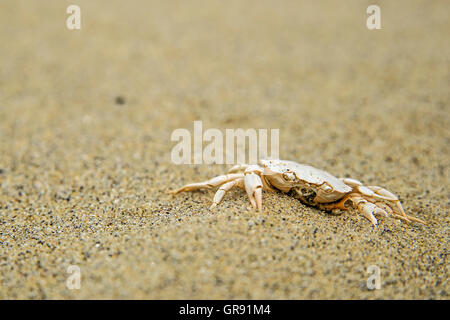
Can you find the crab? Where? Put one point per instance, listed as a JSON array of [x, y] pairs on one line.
[[310, 185]]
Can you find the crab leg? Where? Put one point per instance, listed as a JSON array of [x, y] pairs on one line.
[[367, 209], [383, 194], [339, 205], [372, 193], [238, 168], [393, 212], [224, 189], [253, 186], [211, 183]]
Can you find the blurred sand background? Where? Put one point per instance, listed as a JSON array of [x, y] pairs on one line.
[[83, 178]]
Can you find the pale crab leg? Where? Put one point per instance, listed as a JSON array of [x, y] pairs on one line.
[[253, 186], [211, 183], [385, 207], [375, 192], [367, 209], [385, 210], [256, 168], [238, 168], [392, 212], [224, 189], [381, 193], [372, 196]]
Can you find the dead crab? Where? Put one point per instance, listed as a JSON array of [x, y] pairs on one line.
[[312, 186]]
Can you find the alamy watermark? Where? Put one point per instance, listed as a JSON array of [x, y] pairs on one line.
[[220, 150], [374, 20], [73, 282], [73, 22], [374, 280]]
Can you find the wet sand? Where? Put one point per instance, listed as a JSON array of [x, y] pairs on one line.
[[85, 124]]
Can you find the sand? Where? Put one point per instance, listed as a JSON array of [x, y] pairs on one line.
[[85, 124]]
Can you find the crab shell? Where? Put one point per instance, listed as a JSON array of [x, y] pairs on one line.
[[285, 175]]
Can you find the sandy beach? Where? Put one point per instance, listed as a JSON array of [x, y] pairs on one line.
[[86, 118]]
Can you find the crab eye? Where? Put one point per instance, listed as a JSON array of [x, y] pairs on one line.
[[288, 176], [327, 188]]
